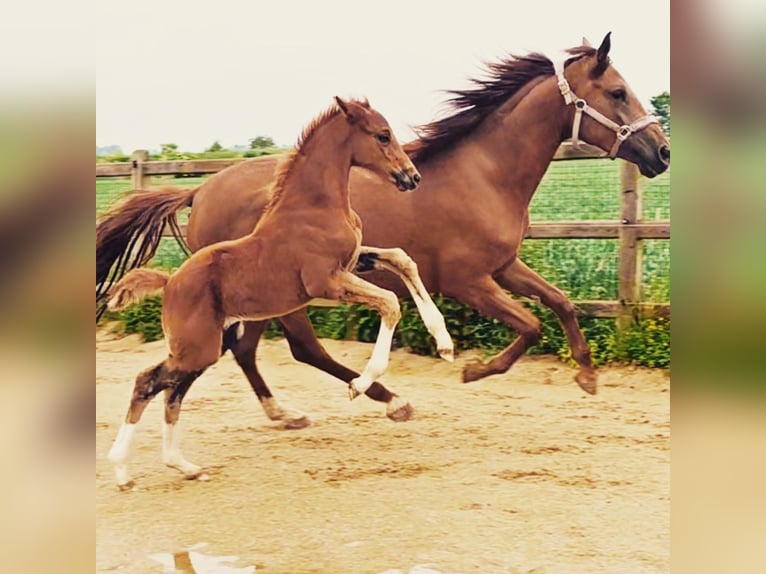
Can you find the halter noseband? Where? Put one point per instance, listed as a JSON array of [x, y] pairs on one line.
[[623, 132]]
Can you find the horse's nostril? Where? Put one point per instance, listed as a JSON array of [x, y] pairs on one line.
[[665, 153], [416, 177]]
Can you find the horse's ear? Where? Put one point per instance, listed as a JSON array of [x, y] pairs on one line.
[[602, 56], [366, 103], [586, 43], [350, 109], [341, 104]]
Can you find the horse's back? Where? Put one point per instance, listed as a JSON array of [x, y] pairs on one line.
[[230, 203]]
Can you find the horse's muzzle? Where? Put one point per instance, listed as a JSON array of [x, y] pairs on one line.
[[406, 181]]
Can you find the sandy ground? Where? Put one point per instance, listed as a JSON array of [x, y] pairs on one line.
[[519, 473]]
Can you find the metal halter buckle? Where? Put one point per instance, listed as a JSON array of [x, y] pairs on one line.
[[624, 132]]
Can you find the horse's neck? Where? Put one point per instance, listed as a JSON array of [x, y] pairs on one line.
[[320, 175], [517, 142]]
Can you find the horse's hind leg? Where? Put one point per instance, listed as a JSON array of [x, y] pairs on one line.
[[243, 338], [306, 348], [489, 299], [171, 450], [148, 384], [522, 280]]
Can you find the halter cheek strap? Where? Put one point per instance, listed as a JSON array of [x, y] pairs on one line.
[[622, 132]]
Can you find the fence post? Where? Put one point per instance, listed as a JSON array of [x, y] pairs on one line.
[[629, 264], [138, 180]]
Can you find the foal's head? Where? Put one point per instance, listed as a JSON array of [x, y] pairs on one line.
[[375, 147], [594, 80]]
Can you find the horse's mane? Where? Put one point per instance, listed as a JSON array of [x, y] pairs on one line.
[[286, 166], [471, 106]]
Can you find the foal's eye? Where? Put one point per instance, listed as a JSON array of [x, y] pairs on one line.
[[385, 139], [619, 94]]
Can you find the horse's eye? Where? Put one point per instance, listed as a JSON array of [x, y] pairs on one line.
[[619, 94], [385, 139]]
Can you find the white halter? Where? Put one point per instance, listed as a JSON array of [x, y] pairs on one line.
[[623, 132]]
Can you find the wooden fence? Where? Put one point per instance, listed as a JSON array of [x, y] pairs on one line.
[[630, 230]]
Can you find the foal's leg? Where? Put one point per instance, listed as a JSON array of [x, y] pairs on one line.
[[307, 349], [243, 338], [520, 279], [171, 450], [398, 262], [347, 287], [148, 384], [489, 299]]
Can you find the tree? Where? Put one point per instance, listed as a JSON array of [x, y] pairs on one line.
[[169, 151], [261, 142], [661, 109], [216, 146]]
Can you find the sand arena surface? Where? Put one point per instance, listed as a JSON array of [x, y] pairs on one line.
[[518, 473]]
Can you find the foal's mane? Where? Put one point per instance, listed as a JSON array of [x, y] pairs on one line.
[[286, 166], [471, 106]]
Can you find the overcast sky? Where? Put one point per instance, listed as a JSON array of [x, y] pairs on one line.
[[192, 73]]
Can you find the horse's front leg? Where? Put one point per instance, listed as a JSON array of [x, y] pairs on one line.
[[398, 262], [306, 348], [522, 280], [348, 288]]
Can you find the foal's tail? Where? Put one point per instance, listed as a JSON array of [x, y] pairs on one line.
[[128, 235], [135, 286]]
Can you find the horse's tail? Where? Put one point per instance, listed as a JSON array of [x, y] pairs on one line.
[[135, 286], [128, 235]]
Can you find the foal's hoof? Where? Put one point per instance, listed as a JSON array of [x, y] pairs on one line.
[[447, 354], [127, 486], [587, 379], [353, 391], [399, 410], [473, 372], [297, 423]]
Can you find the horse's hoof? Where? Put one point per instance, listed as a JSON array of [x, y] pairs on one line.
[[447, 354], [297, 423], [473, 372], [399, 410], [200, 475], [353, 392], [126, 486], [588, 381]]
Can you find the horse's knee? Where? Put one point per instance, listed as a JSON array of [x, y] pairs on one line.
[[530, 331], [390, 311], [404, 261]]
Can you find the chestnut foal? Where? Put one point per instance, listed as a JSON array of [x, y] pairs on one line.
[[304, 248]]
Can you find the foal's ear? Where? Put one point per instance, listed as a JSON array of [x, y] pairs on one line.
[[351, 110], [602, 56]]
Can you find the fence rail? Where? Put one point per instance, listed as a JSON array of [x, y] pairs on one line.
[[630, 230]]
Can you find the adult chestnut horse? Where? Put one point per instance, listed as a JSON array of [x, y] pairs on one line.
[[480, 165], [304, 247]]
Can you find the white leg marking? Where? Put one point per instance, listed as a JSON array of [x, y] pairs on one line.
[[171, 452], [398, 262], [377, 364], [120, 451], [293, 418], [272, 409]]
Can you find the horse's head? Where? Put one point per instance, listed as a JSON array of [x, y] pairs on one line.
[[606, 112], [375, 147]]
